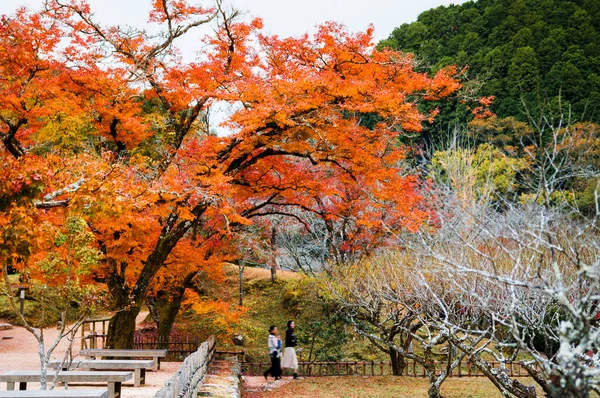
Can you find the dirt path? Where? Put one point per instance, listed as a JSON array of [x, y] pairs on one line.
[[19, 351], [19, 348]]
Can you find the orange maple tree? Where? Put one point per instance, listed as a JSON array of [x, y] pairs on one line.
[[142, 104], [41, 162], [301, 144]]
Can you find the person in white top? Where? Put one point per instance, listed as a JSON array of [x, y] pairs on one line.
[[274, 344]]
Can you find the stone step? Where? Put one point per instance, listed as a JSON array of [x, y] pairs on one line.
[[223, 380]]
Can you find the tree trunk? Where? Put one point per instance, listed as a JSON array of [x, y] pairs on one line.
[[273, 260], [168, 313], [398, 363], [127, 301], [241, 269], [168, 306], [430, 371], [121, 328], [433, 391]]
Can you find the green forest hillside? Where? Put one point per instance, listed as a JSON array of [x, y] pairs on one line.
[[542, 56]]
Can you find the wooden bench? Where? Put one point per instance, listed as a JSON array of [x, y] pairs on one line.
[[138, 366], [116, 353], [112, 379], [96, 393]]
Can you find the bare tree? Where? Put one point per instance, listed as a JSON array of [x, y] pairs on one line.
[[389, 302], [497, 277], [538, 259], [303, 246]]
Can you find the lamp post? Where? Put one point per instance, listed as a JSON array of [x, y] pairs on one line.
[[22, 298]]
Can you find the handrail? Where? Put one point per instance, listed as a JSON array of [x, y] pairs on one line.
[[94, 335], [184, 383]]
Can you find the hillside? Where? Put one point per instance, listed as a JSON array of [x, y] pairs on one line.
[[321, 332], [534, 56]]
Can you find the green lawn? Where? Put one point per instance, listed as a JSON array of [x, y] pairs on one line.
[[382, 386]]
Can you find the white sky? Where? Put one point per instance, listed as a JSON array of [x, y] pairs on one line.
[[281, 17]]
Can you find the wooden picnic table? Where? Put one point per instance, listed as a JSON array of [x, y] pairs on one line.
[[77, 393], [112, 379], [114, 353], [138, 366]]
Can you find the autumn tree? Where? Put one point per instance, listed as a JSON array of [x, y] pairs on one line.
[[313, 154], [48, 243], [189, 269], [158, 212], [300, 134]]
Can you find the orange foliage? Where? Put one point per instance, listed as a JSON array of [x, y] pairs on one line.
[[218, 315], [483, 110]]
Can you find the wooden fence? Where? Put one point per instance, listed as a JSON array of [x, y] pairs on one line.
[[186, 381], [220, 354], [179, 347], [381, 368], [93, 333]]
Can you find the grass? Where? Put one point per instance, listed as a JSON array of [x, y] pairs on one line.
[[382, 386], [274, 303]]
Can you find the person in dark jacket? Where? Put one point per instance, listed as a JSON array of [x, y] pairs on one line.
[[290, 361], [274, 343]]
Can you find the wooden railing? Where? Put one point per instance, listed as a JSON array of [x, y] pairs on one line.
[[186, 381], [93, 333], [179, 347], [381, 368], [228, 353]]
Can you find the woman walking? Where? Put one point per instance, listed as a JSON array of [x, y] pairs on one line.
[[274, 343], [290, 361]]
